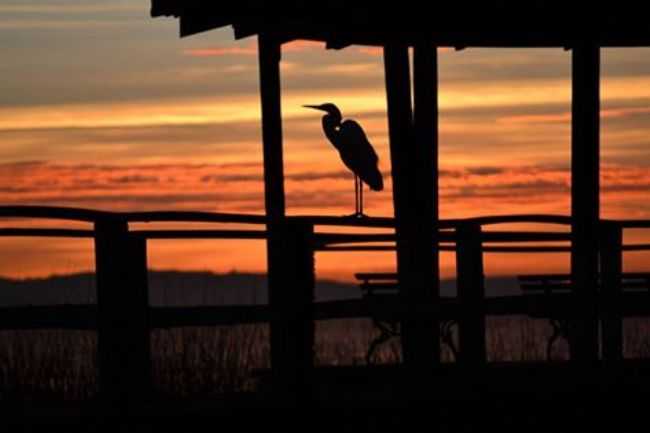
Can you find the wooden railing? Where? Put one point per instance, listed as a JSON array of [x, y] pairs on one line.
[[123, 318]]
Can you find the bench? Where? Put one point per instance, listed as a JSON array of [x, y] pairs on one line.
[[550, 284], [383, 287]]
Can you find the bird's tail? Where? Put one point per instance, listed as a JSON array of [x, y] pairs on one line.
[[375, 180]]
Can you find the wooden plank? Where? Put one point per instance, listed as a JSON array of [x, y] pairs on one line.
[[54, 213], [73, 317], [558, 305], [471, 294], [497, 24], [201, 234], [452, 248], [524, 236], [124, 349], [194, 23], [194, 217], [611, 268], [585, 197], [219, 315]]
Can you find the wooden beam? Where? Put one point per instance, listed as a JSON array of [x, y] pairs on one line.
[[398, 93], [416, 339], [585, 201], [270, 88], [123, 331], [194, 23], [426, 213]]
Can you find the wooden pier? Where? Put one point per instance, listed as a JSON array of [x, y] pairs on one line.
[[123, 318], [593, 307]]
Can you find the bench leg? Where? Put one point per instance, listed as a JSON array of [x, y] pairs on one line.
[[447, 336], [559, 330], [386, 332]]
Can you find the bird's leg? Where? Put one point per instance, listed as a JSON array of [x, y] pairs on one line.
[[360, 198], [356, 195]]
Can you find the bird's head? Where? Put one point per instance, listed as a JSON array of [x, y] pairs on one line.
[[329, 108]]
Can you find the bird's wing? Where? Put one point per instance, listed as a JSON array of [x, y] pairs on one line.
[[358, 154]]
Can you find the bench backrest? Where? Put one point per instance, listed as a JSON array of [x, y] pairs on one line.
[[630, 281]]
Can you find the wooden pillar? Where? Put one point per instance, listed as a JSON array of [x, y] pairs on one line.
[[270, 55], [123, 334], [611, 269], [270, 89], [471, 293], [425, 76], [585, 209], [295, 327], [417, 335]]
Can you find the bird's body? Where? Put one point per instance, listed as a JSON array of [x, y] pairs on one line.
[[357, 154], [349, 138]]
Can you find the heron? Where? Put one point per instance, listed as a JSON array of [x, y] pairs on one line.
[[356, 152]]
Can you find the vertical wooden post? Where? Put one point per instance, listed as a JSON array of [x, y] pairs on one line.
[[471, 293], [611, 269], [270, 53], [123, 334], [417, 341], [425, 76], [585, 200], [295, 306]]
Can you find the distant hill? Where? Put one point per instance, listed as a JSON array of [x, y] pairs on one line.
[[175, 288]]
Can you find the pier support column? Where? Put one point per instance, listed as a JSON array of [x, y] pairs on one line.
[[585, 200], [413, 203], [269, 63], [426, 124], [123, 330]]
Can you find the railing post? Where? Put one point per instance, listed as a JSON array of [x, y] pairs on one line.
[[293, 354], [471, 292], [123, 334], [611, 268]]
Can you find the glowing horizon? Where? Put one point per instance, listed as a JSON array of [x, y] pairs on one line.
[[105, 108]]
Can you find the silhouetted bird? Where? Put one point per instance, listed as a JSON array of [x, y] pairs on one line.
[[356, 151]]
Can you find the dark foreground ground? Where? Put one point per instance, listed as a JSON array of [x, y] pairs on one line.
[[524, 398], [609, 414]]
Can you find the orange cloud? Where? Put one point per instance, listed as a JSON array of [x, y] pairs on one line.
[[378, 51], [565, 117], [250, 50]]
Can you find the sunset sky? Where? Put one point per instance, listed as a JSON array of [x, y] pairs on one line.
[[103, 107]]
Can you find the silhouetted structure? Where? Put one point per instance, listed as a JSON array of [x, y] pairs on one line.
[[596, 246], [413, 133], [356, 151], [414, 128]]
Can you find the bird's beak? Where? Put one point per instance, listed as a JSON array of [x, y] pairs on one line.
[[314, 107]]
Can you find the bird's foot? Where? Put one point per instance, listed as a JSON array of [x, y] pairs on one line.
[[357, 215]]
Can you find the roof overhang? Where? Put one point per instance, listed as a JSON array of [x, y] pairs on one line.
[[505, 23]]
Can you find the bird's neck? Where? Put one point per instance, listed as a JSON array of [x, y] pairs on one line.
[[331, 126]]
